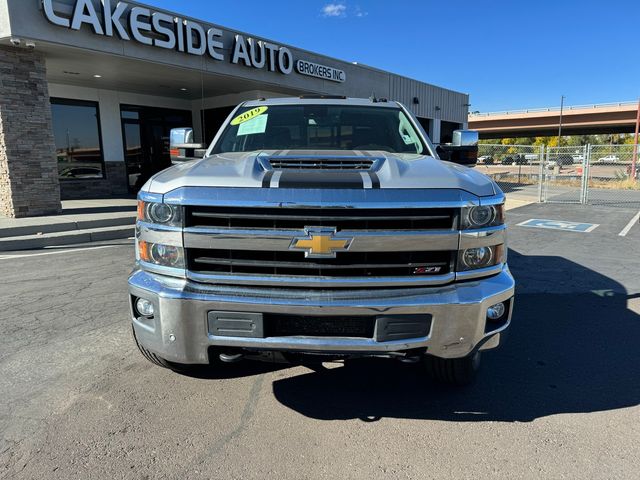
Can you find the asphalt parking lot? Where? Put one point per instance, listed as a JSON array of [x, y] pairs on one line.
[[559, 400]]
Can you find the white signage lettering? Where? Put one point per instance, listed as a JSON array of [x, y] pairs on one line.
[[161, 23], [52, 17], [139, 22], [271, 55], [213, 44], [158, 29], [85, 12], [112, 19]]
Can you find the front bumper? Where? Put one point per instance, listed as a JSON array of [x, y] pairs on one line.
[[179, 331]]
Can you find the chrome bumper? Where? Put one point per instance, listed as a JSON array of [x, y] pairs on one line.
[[179, 331]]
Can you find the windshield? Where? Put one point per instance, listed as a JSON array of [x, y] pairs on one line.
[[320, 127]]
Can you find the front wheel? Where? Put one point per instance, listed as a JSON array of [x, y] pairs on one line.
[[453, 371]]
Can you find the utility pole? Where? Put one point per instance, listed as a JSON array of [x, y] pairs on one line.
[[634, 162], [560, 123]]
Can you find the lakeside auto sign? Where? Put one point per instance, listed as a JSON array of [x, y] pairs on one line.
[[161, 30]]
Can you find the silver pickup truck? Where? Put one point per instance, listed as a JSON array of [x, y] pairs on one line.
[[321, 228]]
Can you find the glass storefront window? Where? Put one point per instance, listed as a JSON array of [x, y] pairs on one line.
[[145, 133], [76, 129]]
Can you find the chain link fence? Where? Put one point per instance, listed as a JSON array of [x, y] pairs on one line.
[[594, 174], [516, 168], [563, 175], [611, 179]]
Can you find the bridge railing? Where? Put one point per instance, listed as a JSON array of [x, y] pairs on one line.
[[554, 109]]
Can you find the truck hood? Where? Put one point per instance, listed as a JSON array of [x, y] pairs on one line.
[[390, 171]]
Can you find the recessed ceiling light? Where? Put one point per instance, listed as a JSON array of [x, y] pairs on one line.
[[97, 76], [183, 89]]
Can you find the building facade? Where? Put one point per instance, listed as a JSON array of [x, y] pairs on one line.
[[89, 90]]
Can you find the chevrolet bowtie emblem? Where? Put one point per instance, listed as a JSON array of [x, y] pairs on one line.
[[321, 243]]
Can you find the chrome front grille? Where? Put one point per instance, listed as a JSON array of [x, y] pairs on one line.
[[261, 245], [346, 264], [341, 218]]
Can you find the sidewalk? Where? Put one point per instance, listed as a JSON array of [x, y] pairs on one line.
[[80, 221]]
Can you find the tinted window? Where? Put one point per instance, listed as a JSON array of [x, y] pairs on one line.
[[320, 127], [76, 129]]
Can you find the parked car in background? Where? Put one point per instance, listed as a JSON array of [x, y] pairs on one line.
[[486, 159], [81, 172], [608, 159], [515, 159]]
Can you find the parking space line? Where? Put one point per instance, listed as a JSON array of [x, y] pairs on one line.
[[631, 223], [57, 252]]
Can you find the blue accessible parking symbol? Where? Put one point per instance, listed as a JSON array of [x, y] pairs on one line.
[[559, 225]]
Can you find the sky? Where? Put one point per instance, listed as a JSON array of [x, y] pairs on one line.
[[505, 54]]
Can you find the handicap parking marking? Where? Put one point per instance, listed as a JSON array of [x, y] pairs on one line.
[[559, 225]]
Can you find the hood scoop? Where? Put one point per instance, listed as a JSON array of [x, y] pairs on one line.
[[316, 162]]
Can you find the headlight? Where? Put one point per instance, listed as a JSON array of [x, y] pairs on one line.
[[159, 254], [482, 216], [160, 213], [481, 257]]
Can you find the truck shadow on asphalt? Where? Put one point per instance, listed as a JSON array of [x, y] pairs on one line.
[[572, 348]]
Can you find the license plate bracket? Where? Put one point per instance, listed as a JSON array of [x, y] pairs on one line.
[[235, 324]]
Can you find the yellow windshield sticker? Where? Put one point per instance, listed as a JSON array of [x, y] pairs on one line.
[[248, 115]]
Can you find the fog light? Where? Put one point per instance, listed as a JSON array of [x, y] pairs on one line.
[[495, 312], [144, 307], [166, 255], [477, 257]]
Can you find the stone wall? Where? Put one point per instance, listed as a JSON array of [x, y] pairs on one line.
[[28, 169]]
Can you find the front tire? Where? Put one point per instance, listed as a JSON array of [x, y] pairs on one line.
[[453, 371]]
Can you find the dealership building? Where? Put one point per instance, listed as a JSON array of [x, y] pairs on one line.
[[89, 90]]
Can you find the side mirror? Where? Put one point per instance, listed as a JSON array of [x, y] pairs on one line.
[[463, 150], [465, 138], [182, 148]]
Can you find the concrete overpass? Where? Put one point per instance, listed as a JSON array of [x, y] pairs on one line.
[[576, 120]]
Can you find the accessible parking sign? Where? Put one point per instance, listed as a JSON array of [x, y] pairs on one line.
[[559, 225]]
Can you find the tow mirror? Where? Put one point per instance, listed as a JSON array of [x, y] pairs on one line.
[[182, 148], [463, 150]]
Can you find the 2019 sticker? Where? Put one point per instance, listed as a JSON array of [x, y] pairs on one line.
[[248, 115]]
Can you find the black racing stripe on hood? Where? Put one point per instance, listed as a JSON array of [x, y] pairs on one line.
[[375, 180], [266, 180], [320, 179]]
